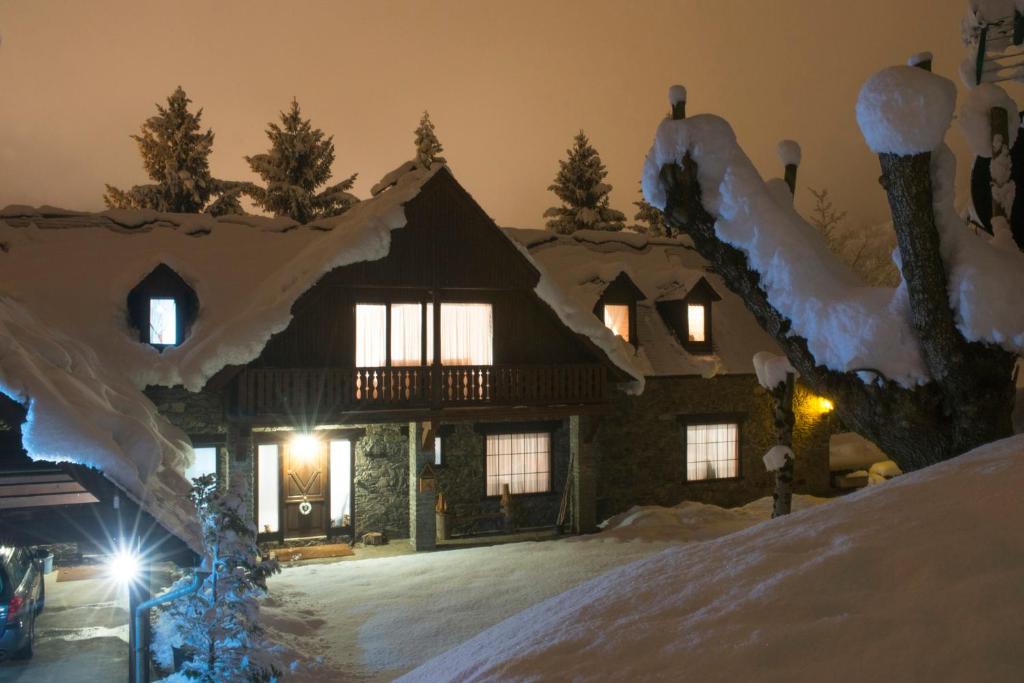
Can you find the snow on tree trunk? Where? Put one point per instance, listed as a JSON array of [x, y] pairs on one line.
[[953, 394], [782, 399]]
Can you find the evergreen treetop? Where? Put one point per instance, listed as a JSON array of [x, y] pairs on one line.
[[298, 162], [584, 194], [428, 147], [175, 154], [650, 220]]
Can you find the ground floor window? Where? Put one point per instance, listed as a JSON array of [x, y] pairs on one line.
[[523, 461], [268, 474], [205, 462], [712, 451], [341, 483]]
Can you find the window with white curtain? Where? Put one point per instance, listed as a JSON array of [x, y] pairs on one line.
[[371, 335], [406, 340], [268, 491], [695, 317], [467, 332], [341, 483], [204, 462], [523, 461], [163, 321], [712, 451], [616, 319]]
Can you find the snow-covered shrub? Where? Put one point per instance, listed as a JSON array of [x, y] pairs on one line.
[[218, 626]]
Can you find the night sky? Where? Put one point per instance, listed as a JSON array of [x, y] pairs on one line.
[[507, 86]]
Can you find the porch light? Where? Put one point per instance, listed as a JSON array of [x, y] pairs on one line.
[[304, 446], [124, 565], [822, 405]]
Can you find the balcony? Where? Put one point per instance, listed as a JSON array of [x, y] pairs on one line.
[[292, 392]]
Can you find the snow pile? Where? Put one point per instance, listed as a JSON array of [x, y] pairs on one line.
[[905, 110], [776, 457], [356, 613], [771, 369], [851, 451], [919, 58], [847, 326], [676, 94], [789, 152], [975, 121], [933, 557], [883, 471]]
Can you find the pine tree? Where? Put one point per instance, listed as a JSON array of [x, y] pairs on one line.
[[650, 221], [298, 162], [218, 626], [584, 194], [175, 154], [428, 147]]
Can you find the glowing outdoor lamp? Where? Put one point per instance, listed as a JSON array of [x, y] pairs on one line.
[[823, 405], [305, 446], [124, 565]]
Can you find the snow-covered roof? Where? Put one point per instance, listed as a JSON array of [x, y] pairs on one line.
[[69, 354], [585, 263]]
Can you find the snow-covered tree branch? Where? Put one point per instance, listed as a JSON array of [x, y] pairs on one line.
[[924, 369]]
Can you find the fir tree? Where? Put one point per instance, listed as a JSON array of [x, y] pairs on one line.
[[298, 162], [650, 221], [584, 194], [175, 153], [428, 147], [218, 626]]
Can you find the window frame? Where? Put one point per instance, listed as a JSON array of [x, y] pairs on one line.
[[707, 419], [511, 428], [427, 333]]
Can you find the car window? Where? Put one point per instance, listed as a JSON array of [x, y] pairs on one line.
[[17, 567]]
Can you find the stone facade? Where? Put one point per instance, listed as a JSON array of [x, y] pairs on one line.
[[639, 448], [382, 481]]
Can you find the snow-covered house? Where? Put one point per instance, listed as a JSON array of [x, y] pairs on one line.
[[349, 368], [699, 429], [353, 369]]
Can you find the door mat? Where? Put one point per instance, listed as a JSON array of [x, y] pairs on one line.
[[81, 572], [313, 552]]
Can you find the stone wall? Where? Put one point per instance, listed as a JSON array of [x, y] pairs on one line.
[[461, 479], [382, 482], [639, 448]]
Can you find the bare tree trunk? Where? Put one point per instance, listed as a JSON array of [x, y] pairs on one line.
[[782, 400], [970, 397]]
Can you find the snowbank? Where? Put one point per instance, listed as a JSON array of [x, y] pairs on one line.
[[919, 579]]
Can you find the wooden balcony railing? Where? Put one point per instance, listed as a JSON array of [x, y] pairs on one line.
[[292, 391]]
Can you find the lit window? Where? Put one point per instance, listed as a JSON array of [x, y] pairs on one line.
[[406, 341], [341, 483], [205, 462], [523, 461], [371, 335], [437, 451], [616, 319], [712, 451], [268, 491], [163, 321], [695, 317], [467, 332]]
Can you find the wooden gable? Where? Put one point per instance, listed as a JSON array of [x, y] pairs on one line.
[[622, 291], [449, 244]]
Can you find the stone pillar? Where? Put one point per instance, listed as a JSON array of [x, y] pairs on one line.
[[582, 476], [241, 463], [422, 521]]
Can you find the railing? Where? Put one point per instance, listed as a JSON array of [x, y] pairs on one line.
[[291, 391]]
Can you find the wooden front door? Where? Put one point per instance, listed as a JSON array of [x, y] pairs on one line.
[[304, 488]]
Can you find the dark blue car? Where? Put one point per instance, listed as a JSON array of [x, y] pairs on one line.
[[22, 595]]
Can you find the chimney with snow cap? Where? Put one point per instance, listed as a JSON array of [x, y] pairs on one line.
[[922, 60], [790, 155], [677, 98]]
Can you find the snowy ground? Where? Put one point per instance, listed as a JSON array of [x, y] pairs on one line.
[[920, 578], [82, 635], [375, 619]]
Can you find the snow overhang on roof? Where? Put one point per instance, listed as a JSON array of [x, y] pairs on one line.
[[68, 355], [582, 265]]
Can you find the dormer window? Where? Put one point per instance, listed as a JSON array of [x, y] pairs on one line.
[[696, 318], [690, 316], [163, 322], [616, 319], [616, 307], [162, 308]]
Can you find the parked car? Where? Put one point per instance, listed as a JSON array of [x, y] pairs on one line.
[[22, 596]]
